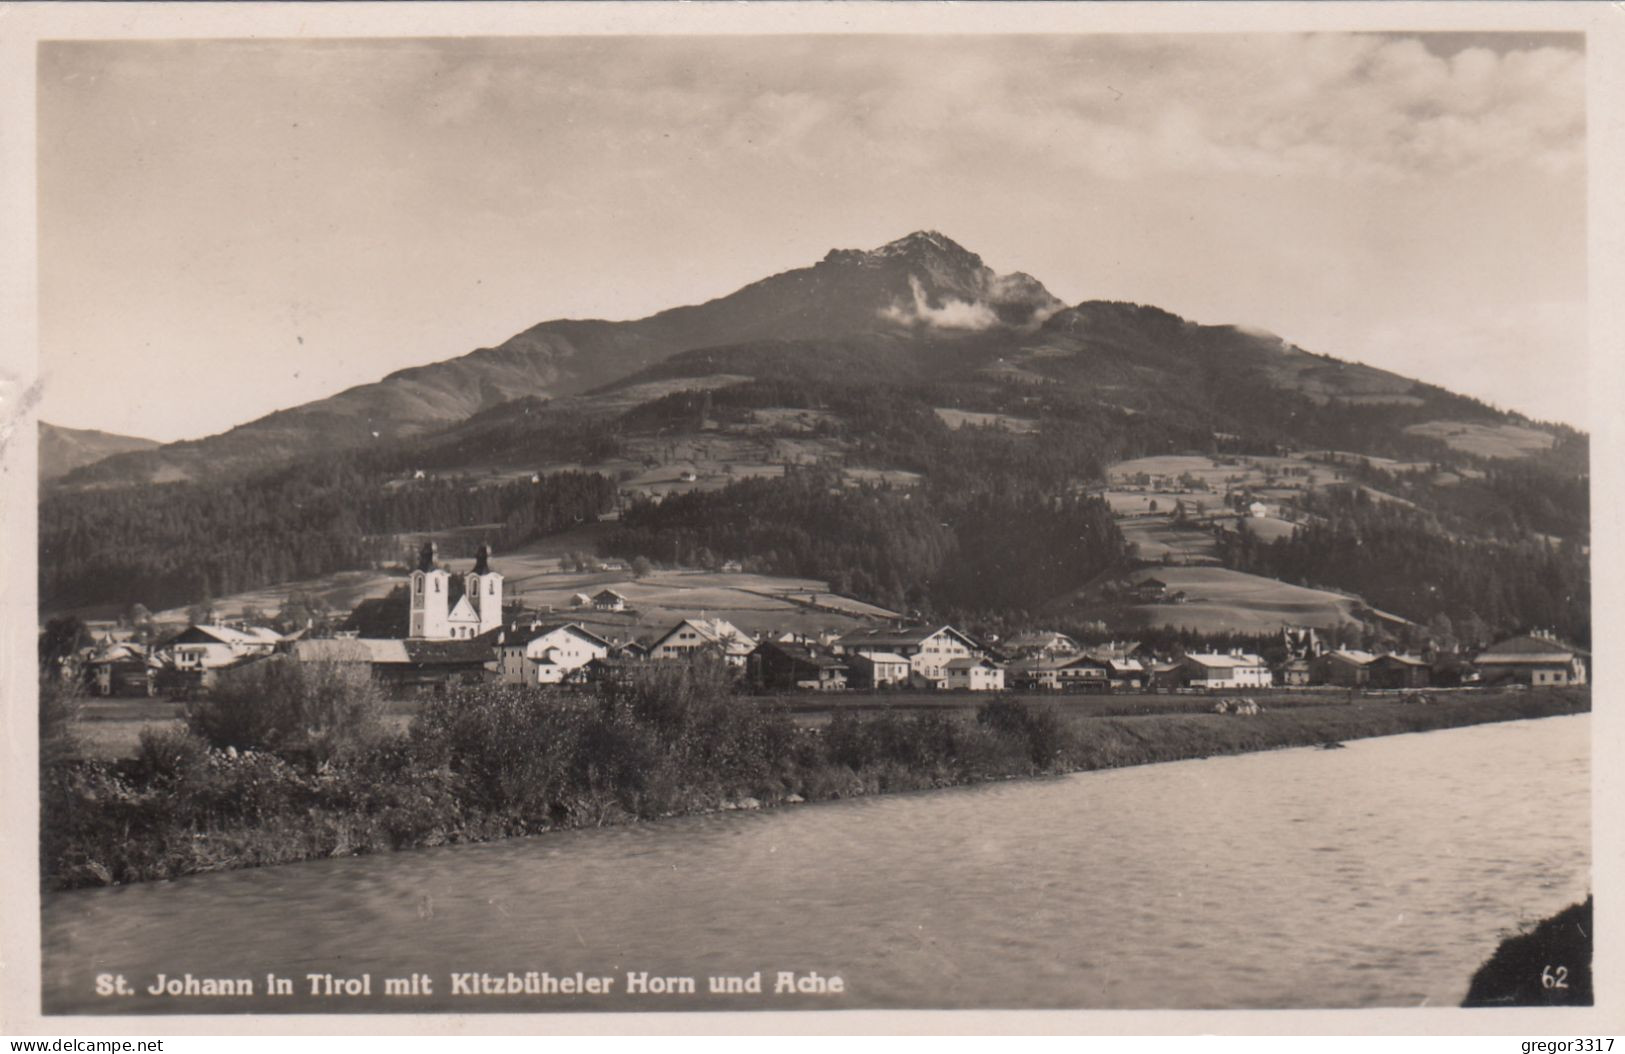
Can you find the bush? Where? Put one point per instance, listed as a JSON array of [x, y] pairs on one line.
[[1036, 725], [171, 753], [311, 712], [60, 704]]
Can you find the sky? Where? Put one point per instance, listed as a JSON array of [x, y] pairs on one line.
[[227, 228]]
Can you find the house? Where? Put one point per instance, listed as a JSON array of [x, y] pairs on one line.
[[434, 615], [1035, 674], [408, 663], [608, 600], [214, 647], [784, 665], [121, 669], [1537, 659], [547, 654], [1345, 668], [1164, 676], [877, 669], [581, 600], [1213, 672], [695, 635], [1258, 510], [1399, 671], [1043, 644], [1294, 673], [1084, 674], [927, 649], [973, 674], [1105, 672]]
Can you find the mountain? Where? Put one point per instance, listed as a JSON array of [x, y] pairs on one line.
[[61, 450], [921, 285]]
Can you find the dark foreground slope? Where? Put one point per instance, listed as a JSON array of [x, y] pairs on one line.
[[1548, 966]]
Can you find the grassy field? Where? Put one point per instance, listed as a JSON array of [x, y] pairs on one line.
[[1504, 440]]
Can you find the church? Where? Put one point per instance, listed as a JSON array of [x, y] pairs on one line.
[[434, 616]]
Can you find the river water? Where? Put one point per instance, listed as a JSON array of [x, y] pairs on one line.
[[1382, 874]]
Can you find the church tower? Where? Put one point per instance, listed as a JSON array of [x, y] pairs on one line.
[[483, 587], [431, 588]]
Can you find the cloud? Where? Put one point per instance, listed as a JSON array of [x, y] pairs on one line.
[[953, 314]]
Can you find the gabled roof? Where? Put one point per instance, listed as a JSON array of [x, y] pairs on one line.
[[969, 663], [524, 635], [476, 650], [1223, 662], [463, 611], [881, 657], [803, 654], [608, 594], [195, 634], [906, 637], [1529, 648], [1351, 655], [714, 630], [1404, 660]]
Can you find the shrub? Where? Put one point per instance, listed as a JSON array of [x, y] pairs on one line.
[[60, 704], [171, 753], [1037, 725], [312, 712]]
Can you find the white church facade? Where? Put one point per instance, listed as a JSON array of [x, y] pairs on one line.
[[435, 617]]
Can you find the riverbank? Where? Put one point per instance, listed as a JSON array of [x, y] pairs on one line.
[[492, 763]]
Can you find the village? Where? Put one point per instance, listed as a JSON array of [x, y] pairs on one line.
[[459, 631]]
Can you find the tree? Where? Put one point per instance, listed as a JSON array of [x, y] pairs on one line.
[[642, 567], [60, 641], [306, 711]]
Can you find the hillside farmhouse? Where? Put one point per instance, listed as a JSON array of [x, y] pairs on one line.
[[608, 600]]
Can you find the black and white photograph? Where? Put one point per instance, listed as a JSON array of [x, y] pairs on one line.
[[694, 509]]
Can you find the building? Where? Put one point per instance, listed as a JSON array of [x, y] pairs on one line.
[[927, 649], [877, 669], [784, 665], [1035, 674], [1294, 673], [121, 669], [1046, 644], [557, 653], [1344, 668], [1399, 671], [608, 600], [433, 613], [1258, 510], [581, 600], [973, 674], [1214, 672], [1538, 659], [692, 636], [1104, 673], [408, 663], [213, 647]]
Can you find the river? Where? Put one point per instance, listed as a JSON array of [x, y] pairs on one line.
[[1382, 874]]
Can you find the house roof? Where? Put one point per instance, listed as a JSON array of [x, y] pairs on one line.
[[476, 650], [254, 635], [1404, 660], [801, 653], [882, 657], [524, 635], [892, 637], [969, 663], [1528, 648], [1223, 662], [1351, 655], [608, 594], [714, 630]]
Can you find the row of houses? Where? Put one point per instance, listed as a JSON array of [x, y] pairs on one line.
[[928, 657]]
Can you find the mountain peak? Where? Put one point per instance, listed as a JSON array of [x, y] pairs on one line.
[[922, 240]]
